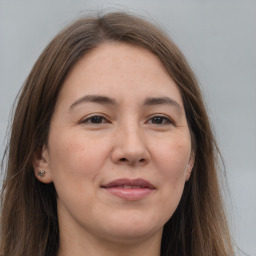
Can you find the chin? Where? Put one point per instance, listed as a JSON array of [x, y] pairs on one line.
[[132, 235], [130, 229]]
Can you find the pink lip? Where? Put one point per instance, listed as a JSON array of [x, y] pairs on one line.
[[129, 189]]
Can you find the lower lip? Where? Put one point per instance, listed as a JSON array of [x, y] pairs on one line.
[[129, 193]]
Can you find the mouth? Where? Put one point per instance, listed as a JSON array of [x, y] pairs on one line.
[[129, 189]]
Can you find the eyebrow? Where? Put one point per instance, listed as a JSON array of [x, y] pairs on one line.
[[162, 100], [151, 101], [93, 99]]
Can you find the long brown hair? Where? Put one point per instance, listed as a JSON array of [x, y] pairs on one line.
[[29, 224]]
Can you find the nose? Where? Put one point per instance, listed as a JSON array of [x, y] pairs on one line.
[[130, 148]]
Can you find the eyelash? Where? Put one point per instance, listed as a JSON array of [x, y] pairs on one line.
[[167, 120], [99, 118]]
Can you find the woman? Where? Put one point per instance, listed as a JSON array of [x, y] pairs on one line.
[[111, 150]]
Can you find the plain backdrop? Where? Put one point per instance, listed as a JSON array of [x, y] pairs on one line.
[[218, 38]]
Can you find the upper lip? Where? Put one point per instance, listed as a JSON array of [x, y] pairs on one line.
[[129, 182]]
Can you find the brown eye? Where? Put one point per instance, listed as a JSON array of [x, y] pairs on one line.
[[95, 120], [160, 120]]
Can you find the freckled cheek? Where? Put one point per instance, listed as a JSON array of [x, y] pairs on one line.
[[173, 159], [77, 155]]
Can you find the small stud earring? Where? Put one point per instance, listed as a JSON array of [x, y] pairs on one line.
[[41, 174]]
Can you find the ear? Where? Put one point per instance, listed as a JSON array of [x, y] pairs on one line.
[[190, 166], [41, 165]]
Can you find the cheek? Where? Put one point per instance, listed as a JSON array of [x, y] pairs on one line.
[[172, 163], [76, 162], [174, 158], [73, 156]]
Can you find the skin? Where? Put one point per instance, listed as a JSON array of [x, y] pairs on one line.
[[127, 139]]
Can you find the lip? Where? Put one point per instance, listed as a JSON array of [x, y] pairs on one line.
[[128, 189]]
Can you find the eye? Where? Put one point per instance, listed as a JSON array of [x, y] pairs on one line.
[[160, 120], [97, 119]]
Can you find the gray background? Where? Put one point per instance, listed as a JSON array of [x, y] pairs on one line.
[[218, 39]]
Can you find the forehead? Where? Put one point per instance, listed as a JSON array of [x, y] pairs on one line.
[[119, 69]]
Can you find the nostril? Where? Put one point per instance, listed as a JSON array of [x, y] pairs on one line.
[[132, 162]]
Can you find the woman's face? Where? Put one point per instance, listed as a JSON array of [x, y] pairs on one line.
[[119, 148]]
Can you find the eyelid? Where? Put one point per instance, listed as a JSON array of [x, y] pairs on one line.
[[166, 117], [168, 120], [85, 120]]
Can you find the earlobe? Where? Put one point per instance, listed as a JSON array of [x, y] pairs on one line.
[[41, 165]]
